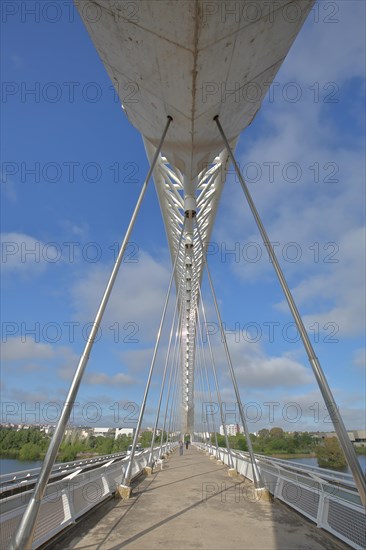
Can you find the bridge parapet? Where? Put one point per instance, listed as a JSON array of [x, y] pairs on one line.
[[67, 500]]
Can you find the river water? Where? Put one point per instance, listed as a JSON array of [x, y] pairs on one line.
[[313, 462], [9, 465]]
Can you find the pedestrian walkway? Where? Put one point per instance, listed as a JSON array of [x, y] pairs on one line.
[[193, 504]]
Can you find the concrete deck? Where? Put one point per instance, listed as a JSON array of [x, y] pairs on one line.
[[193, 503]]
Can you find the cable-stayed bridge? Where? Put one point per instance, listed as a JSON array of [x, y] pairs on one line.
[[177, 53]]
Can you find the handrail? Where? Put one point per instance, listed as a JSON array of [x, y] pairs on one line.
[[59, 465]]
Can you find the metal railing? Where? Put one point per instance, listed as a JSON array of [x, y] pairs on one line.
[[13, 479], [68, 499], [329, 499]]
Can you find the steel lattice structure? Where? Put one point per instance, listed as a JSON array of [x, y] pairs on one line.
[[169, 184]]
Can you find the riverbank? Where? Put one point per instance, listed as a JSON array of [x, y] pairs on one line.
[[39, 457], [360, 450]]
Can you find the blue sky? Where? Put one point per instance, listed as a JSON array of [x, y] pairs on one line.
[[72, 167]]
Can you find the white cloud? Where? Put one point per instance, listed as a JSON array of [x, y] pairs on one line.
[[68, 362], [137, 297], [15, 349], [255, 369], [334, 45], [273, 372], [342, 287], [22, 253], [137, 360], [78, 229], [293, 411], [306, 211], [324, 219], [103, 379]]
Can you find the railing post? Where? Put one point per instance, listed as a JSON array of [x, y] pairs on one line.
[[322, 511], [68, 505]]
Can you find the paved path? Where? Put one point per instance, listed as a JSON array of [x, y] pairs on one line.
[[193, 503]]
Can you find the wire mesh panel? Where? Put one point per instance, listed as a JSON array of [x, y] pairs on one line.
[[87, 495], [270, 481], [136, 467], [50, 520], [114, 476], [9, 523], [301, 499], [347, 523], [245, 468]]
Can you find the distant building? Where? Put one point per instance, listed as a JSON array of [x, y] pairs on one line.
[[84, 432], [105, 432], [357, 437], [231, 429], [48, 429]]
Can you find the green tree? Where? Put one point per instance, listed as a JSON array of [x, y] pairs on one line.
[[12, 441], [306, 441], [330, 455], [92, 441], [276, 432], [145, 439], [122, 443], [277, 444], [67, 453], [220, 440], [104, 445], [290, 445], [241, 443], [232, 441], [29, 451]]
